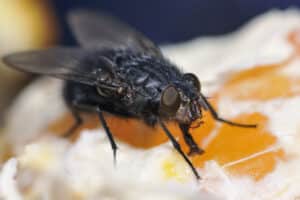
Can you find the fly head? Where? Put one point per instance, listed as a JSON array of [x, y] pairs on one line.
[[181, 100]]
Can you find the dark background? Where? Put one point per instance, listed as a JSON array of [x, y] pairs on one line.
[[167, 21]]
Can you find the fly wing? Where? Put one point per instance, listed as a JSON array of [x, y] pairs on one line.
[[100, 30], [63, 63]]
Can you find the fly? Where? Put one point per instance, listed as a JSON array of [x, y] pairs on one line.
[[119, 71]]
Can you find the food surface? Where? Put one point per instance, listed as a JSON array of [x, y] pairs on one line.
[[250, 76]]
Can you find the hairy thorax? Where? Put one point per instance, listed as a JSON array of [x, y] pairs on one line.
[[145, 73]]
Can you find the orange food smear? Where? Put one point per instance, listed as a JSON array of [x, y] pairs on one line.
[[255, 72], [263, 87], [265, 82], [259, 166], [237, 149], [131, 131], [230, 143], [235, 143]]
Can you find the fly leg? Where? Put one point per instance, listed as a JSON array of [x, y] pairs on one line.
[[189, 140], [81, 105], [77, 123], [215, 115], [108, 133], [177, 146]]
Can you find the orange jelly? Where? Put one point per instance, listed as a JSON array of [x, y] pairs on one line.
[[241, 151]]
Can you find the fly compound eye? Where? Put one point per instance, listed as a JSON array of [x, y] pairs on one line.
[[193, 79], [170, 101]]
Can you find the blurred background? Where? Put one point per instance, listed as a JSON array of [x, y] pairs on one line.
[[34, 24], [176, 20]]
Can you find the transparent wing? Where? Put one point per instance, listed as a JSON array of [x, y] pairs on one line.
[[63, 63], [100, 30]]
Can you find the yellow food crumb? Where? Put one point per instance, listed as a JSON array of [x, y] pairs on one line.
[[175, 168]]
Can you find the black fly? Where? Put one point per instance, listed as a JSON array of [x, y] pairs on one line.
[[120, 71]]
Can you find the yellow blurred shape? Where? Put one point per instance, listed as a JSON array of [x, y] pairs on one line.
[[26, 24]]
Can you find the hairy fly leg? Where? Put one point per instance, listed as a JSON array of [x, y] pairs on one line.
[[81, 105], [108, 133], [177, 146], [207, 106], [189, 140], [77, 123]]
